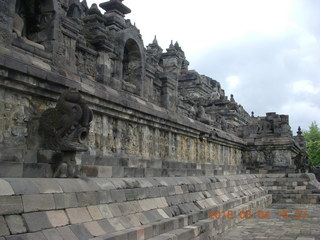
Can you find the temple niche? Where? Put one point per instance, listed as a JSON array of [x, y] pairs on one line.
[[34, 21], [132, 66]]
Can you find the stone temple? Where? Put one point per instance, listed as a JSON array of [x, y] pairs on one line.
[[104, 138]]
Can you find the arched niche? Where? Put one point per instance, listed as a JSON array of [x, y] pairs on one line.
[[34, 20], [132, 66]]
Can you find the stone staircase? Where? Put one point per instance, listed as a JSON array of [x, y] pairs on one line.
[[292, 187], [125, 208]]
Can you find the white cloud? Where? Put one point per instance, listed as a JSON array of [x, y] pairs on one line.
[[304, 87], [233, 82]]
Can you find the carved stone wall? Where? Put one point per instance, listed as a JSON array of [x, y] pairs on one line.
[[146, 103]]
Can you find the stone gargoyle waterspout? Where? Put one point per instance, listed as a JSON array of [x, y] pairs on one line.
[[64, 129]]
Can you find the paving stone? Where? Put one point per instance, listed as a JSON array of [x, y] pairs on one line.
[[65, 200], [52, 234], [36, 221], [6, 188], [67, 233], [37, 202], [57, 218], [15, 224], [3, 227], [78, 215], [10, 205]]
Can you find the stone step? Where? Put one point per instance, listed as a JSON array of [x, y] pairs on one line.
[[311, 198], [102, 208]]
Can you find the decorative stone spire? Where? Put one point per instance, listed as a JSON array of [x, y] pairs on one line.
[[114, 15], [84, 4], [155, 41], [171, 45], [115, 5], [94, 10], [232, 98], [299, 133], [176, 46]]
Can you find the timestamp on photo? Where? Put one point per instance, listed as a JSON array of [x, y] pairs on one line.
[[257, 215]]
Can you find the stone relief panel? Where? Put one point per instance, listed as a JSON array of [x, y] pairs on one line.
[[86, 63], [17, 113], [156, 97], [107, 135], [164, 144]]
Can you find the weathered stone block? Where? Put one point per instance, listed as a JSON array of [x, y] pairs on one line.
[[22, 186], [38, 202], [109, 211], [3, 227], [65, 200], [47, 185], [116, 224], [95, 213], [36, 221], [52, 234], [57, 218], [6, 188], [11, 169], [106, 226], [87, 198], [80, 231], [118, 195], [66, 233], [78, 215], [28, 236], [16, 224], [94, 228], [10, 205]]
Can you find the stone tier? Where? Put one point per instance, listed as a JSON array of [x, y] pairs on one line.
[[292, 188], [132, 167], [125, 208], [123, 167]]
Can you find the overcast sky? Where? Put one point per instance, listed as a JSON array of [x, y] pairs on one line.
[[265, 52]]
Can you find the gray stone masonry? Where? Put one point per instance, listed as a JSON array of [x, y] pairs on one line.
[[167, 205], [169, 208], [150, 112]]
